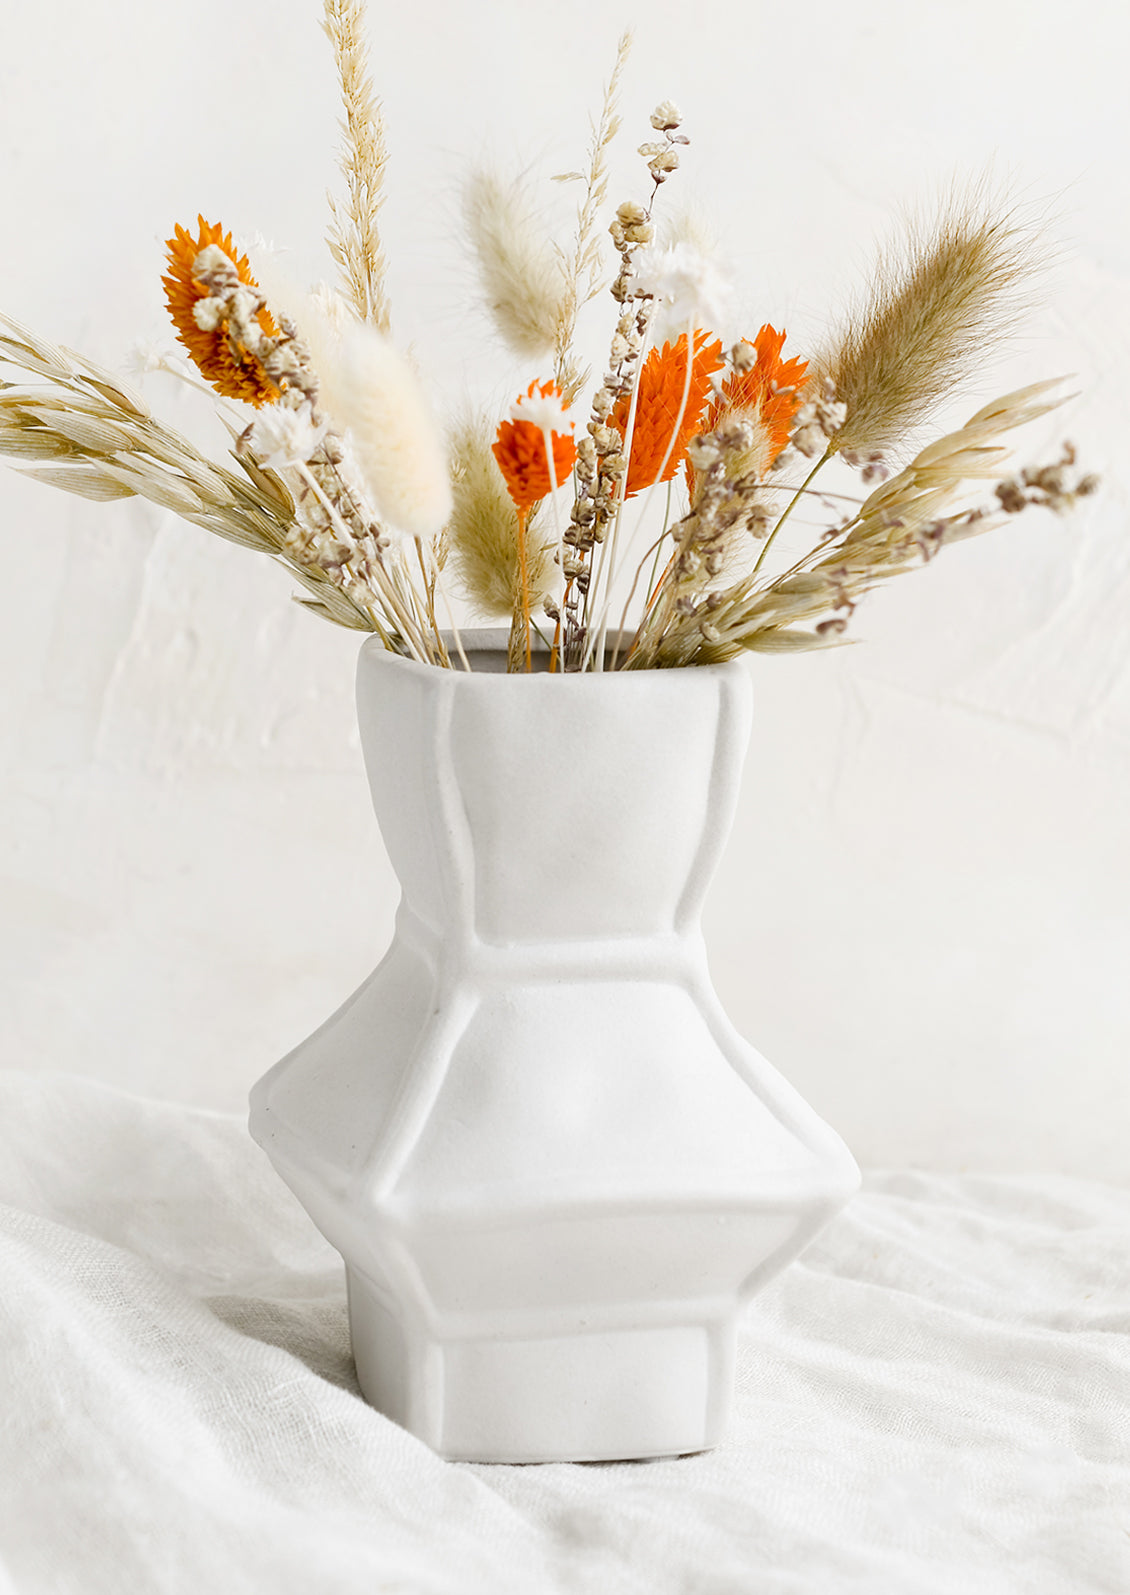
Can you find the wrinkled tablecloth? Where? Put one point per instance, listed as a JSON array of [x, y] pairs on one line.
[[935, 1400]]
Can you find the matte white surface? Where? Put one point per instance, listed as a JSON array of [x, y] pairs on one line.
[[923, 915], [553, 1169], [933, 1399]]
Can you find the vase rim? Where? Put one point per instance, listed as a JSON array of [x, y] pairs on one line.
[[492, 640]]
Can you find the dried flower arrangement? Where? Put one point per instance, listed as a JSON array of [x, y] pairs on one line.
[[344, 477]]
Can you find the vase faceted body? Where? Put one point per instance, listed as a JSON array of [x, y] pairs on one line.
[[553, 1169]]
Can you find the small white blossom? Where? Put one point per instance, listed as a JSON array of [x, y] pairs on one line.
[[685, 282], [666, 116], [544, 411], [148, 355], [284, 437], [810, 440], [703, 451], [209, 313], [665, 161]]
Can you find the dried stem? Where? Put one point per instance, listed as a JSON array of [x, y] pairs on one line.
[[583, 268]]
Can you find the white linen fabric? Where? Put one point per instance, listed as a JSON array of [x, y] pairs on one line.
[[935, 1400]]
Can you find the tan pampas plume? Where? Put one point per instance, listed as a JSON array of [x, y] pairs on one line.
[[938, 301], [483, 530], [354, 238], [519, 270], [583, 267], [373, 392]]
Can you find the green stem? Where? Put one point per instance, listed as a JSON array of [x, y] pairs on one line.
[[790, 506]]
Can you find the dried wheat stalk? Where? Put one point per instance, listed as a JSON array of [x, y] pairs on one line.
[[583, 269], [354, 238]]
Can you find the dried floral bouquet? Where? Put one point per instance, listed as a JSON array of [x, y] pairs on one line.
[[344, 477]]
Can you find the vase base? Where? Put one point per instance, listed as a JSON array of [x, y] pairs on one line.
[[561, 1393]]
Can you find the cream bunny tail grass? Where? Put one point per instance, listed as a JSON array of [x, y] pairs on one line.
[[372, 391]]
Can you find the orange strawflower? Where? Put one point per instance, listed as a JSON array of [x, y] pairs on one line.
[[658, 420], [520, 447], [237, 374], [764, 392]]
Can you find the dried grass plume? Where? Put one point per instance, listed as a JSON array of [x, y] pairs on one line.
[[939, 299], [519, 270], [354, 238], [483, 530]]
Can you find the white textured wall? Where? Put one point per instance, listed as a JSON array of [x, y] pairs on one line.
[[924, 917]]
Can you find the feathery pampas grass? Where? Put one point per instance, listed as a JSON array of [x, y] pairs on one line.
[[354, 239], [937, 304]]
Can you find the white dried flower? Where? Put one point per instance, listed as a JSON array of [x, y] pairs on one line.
[[817, 421], [810, 440], [666, 116], [703, 452], [208, 313], [374, 393], [543, 410], [666, 161], [686, 283], [147, 355], [282, 436]]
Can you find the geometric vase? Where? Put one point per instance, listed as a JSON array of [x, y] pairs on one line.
[[554, 1170]]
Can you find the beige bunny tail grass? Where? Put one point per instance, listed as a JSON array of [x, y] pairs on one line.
[[483, 530], [396, 443], [939, 300], [519, 270]]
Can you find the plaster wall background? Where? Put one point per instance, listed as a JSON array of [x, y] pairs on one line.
[[924, 914]]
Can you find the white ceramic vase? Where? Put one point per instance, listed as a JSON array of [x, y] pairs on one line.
[[554, 1170]]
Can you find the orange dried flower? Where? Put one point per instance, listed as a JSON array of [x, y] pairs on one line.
[[770, 392], [521, 453], [661, 385], [236, 373]]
